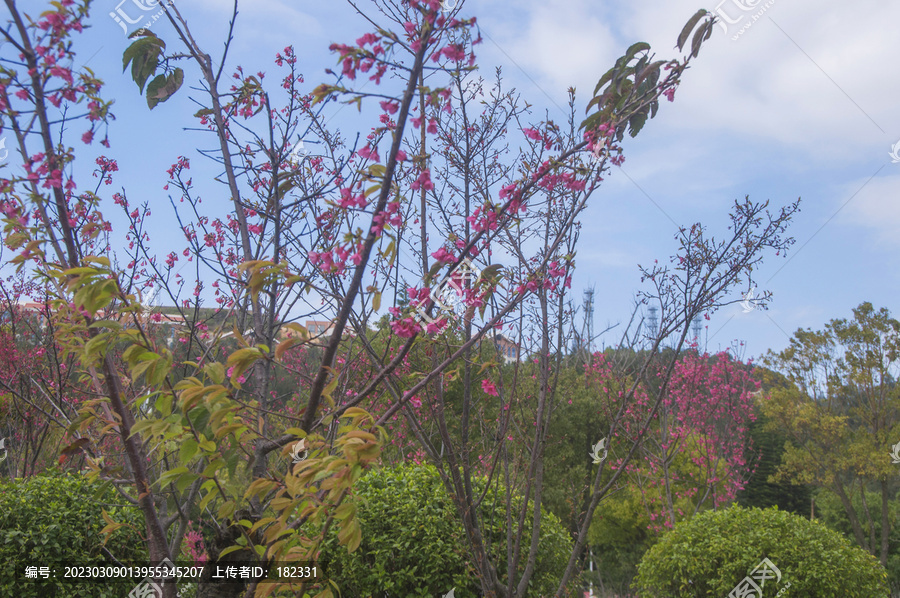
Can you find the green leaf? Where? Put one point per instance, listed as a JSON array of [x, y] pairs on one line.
[[16, 240], [639, 67], [207, 498], [143, 55], [695, 43], [166, 478], [140, 425], [164, 404], [594, 100], [242, 359], [286, 345], [232, 463], [228, 429], [492, 273], [185, 480], [709, 30], [636, 123], [227, 509], [434, 270], [594, 121], [345, 510], [133, 51], [163, 87], [689, 26], [97, 345], [141, 32], [215, 371], [188, 450], [649, 70], [634, 49], [138, 369], [331, 385], [350, 534], [98, 259], [229, 550], [213, 467], [158, 371], [153, 89], [106, 324]]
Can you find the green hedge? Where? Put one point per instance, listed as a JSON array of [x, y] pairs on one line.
[[713, 552], [413, 544], [56, 518]]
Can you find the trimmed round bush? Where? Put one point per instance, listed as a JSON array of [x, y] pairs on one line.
[[413, 544], [713, 552], [56, 518]]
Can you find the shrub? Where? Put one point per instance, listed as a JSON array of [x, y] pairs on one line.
[[831, 512], [710, 554], [55, 518], [413, 544]]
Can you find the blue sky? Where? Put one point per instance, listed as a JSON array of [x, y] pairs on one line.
[[801, 104]]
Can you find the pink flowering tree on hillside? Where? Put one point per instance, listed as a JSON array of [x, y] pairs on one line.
[[637, 384], [696, 454], [330, 229], [34, 390]]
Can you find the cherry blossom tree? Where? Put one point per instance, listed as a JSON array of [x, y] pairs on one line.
[[330, 228], [698, 451]]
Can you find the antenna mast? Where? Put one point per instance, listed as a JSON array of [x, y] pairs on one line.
[[586, 344], [652, 324]]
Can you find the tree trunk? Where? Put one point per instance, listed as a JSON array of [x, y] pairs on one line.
[[851, 514], [885, 523], [225, 537], [865, 505]]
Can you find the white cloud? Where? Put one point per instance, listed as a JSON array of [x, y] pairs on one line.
[[611, 258], [876, 206], [762, 86]]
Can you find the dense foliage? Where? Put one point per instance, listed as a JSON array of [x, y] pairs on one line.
[[414, 546], [762, 490], [830, 511], [713, 552], [454, 219], [57, 518]]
